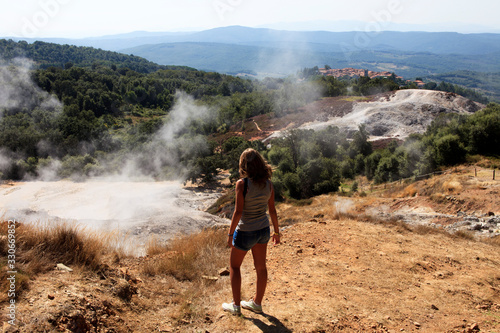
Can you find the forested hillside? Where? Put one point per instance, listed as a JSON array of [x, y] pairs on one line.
[[487, 83], [310, 162], [284, 59], [86, 118], [48, 54]]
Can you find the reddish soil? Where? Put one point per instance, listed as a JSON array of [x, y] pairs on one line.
[[337, 270]]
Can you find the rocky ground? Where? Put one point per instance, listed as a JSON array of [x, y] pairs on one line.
[[392, 115], [346, 264], [463, 199]]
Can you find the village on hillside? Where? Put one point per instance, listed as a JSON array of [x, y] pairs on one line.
[[355, 72]]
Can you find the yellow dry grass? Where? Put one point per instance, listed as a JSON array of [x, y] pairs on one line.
[[452, 185], [38, 248], [188, 257], [409, 191]]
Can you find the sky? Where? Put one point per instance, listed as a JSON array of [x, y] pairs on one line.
[[92, 18]]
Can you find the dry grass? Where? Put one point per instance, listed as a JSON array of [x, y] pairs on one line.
[[438, 197], [452, 186], [185, 261], [486, 162], [224, 206], [409, 191], [493, 241], [154, 247], [40, 248], [188, 257], [464, 235], [356, 99], [427, 230], [301, 202], [65, 243]]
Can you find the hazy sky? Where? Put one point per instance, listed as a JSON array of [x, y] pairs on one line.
[[78, 18]]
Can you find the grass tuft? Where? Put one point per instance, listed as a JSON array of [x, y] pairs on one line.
[[464, 235], [427, 230], [300, 202], [409, 191], [493, 241], [39, 248], [452, 186], [189, 257]]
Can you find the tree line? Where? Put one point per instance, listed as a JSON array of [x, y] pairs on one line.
[[46, 55], [114, 106]]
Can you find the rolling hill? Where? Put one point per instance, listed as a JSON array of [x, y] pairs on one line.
[[272, 52], [227, 58], [435, 42], [485, 82]]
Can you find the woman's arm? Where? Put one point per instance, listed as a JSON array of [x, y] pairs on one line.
[[238, 211], [274, 217]]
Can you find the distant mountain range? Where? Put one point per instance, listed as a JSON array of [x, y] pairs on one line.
[[351, 25], [271, 52], [326, 41]]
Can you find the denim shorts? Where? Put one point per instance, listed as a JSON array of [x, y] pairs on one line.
[[245, 240]]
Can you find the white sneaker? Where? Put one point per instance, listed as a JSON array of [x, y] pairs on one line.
[[252, 306], [232, 308]]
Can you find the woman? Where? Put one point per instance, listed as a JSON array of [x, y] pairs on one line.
[[250, 227]]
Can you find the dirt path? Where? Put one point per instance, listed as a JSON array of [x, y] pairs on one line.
[[256, 125], [352, 276]]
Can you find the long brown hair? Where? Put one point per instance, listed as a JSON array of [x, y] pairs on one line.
[[254, 166]]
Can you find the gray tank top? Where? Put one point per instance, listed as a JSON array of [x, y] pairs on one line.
[[254, 215]]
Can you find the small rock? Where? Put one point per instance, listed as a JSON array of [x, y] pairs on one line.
[[433, 307], [494, 220], [63, 267], [165, 328], [417, 324], [472, 218], [442, 274], [124, 290], [483, 306], [299, 251], [210, 278], [224, 271], [50, 296], [474, 327]]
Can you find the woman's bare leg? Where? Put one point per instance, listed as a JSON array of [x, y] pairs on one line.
[[236, 259], [259, 252]]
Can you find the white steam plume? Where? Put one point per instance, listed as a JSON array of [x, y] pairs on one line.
[[172, 144], [18, 92]]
